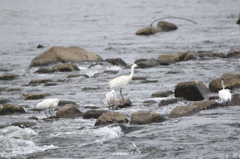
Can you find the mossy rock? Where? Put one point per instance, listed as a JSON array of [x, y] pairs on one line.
[[66, 67], [7, 76], [111, 117], [146, 117], [146, 31], [10, 109], [173, 57]]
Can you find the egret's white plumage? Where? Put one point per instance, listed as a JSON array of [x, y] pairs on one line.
[[122, 80], [111, 98], [224, 94], [48, 104]]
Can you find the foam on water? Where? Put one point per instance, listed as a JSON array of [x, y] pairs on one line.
[[16, 142]]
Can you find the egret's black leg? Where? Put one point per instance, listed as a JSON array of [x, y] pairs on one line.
[[50, 113], [46, 113], [121, 93]]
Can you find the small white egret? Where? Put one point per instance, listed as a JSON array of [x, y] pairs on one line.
[[111, 98], [48, 104], [122, 80], [224, 94]]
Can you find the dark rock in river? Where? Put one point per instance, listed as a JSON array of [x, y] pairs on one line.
[[10, 109], [238, 21], [8, 76], [111, 117], [34, 96], [166, 26], [233, 53], [146, 31], [235, 100], [39, 81], [162, 93], [123, 103], [26, 124], [149, 102], [69, 111], [117, 62], [231, 80], [191, 90], [45, 70], [203, 55], [207, 104], [93, 114], [146, 117], [60, 54], [145, 63], [168, 101], [173, 57], [3, 101], [64, 102], [66, 67]]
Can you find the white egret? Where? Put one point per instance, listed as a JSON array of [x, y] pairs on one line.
[[111, 98], [224, 94], [122, 80], [48, 104]]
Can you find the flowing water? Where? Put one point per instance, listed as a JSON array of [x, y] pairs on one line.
[[108, 29]]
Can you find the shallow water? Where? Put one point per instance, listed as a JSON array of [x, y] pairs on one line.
[[108, 29]]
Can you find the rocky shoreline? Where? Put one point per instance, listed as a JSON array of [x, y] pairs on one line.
[[198, 94]]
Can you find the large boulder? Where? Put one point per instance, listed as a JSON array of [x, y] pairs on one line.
[[191, 90], [166, 26], [10, 109], [61, 54], [231, 80], [146, 31], [111, 117], [69, 111], [93, 114], [146, 117]]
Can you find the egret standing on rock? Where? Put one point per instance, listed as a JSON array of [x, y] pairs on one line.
[[48, 104], [224, 94], [122, 80], [111, 98]]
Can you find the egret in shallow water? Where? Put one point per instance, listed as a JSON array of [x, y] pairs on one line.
[[111, 98], [224, 94], [48, 104], [122, 80]]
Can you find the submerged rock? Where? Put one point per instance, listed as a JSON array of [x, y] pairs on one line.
[[166, 26], [10, 109], [39, 81], [34, 96], [231, 80], [168, 101], [26, 124], [117, 62], [45, 70], [61, 54], [146, 31], [111, 117], [203, 55], [191, 90], [66, 67], [8, 76], [146, 117], [162, 93], [93, 114], [69, 111], [233, 53]]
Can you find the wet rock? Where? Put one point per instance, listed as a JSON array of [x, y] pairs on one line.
[[68, 111], [149, 102], [45, 70], [145, 63], [50, 84], [10, 109], [233, 53], [66, 67], [117, 62], [111, 117], [208, 104], [77, 75], [191, 90], [235, 100], [93, 114], [180, 111], [146, 31], [123, 103], [40, 46], [149, 81], [203, 55], [238, 21], [34, 96], [146, 117], [231, 80], [61, 54], [4, 101], [26, 124], [33, 118], [173, 57], [64, 102], [162, 93], [91, 88], [166, 26], [8, 76], [39, 81], [168, 101]]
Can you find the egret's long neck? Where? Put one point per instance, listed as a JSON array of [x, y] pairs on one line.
[[223, 84], [132, 72]]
